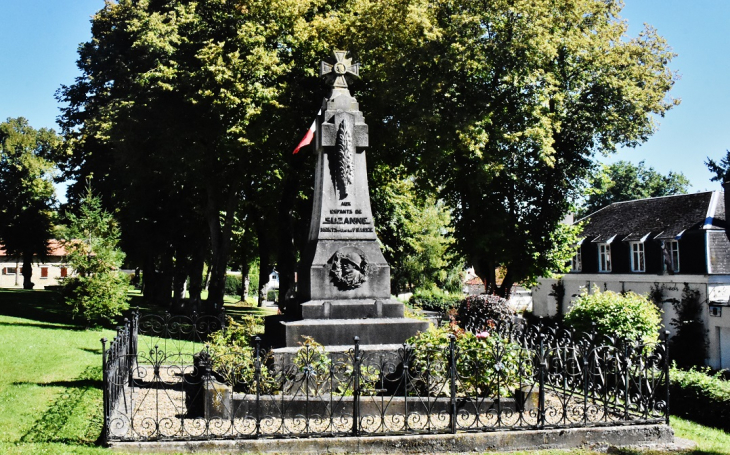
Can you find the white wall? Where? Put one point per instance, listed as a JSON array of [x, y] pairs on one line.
[[53, 264], [713, 288]]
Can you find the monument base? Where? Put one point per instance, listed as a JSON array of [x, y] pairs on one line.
[[340, 332]]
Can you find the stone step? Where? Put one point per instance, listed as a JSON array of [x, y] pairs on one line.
[[371, 353], [352, 309], [340, 332]]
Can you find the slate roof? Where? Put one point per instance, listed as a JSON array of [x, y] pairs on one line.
[[659, 218]]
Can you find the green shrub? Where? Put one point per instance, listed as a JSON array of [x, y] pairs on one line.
[[232, 354], [434, 299], [700, 396], [98, 297], [478, 313], [485, 363], [628, 315], [234, 285]]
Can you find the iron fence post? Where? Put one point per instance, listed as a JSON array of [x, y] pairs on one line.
[[407, 351], [625, 361], [356, 389], [585, 383], [257, 379], [207, 379], [541, 381], [666, 372], [452, 374], [105, 392]]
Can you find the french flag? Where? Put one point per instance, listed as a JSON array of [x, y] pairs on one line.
[[307, 139]]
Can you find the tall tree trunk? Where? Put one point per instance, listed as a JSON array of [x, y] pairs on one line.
[[287, 255], [220, 240], [180, 275], [264, 257], [196, 275], [149, 277], [27, 270], [485, 270], [163, 294], [245, 268]]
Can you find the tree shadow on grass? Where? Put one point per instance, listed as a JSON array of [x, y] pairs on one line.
[[75, 384], [41, 306], [42, 325], [47, 307]]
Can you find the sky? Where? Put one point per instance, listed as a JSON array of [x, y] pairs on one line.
[[40, 38]]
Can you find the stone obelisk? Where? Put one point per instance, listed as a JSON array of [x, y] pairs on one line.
[[344, 280]]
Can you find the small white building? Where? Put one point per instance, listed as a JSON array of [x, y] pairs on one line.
[[46, 272], [655, 244]]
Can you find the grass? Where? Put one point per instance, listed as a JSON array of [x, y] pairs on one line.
[[50, 382], [50, 377]]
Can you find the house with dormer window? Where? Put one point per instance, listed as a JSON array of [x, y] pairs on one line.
[[653, 244]]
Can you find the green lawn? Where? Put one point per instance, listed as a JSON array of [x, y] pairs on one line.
[[50, 377], [50, 381]]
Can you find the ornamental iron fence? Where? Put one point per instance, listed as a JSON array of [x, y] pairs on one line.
[[164, 381]]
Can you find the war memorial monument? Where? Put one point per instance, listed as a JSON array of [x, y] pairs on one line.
[[344, 280]]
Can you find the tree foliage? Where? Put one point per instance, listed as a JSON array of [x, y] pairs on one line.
[[417, 237], [624, 181], [26, 182], [721, 169], [186, 114], [97, 291], [689, 344], [170, 118]]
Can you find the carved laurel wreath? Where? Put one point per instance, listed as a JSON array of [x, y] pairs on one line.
[[345, 168], [349, 268]]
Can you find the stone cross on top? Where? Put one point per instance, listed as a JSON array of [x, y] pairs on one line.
[[336, 74]]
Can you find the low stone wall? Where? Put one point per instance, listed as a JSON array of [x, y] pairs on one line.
[[222, 403], [595, 438]]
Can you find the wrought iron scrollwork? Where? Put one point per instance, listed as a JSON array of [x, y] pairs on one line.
[[160, 383]]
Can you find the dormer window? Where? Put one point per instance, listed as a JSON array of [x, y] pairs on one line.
[[673, 250], [576, 264], [604, 257], [638, 257]]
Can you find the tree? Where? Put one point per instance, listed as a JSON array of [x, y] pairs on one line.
[[416, 235], [168, 117], [624, 181], [26, 181], [97, 291], [501, 108], [721, 169], [689, 344]]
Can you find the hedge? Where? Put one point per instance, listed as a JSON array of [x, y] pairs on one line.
[[234, 285], [700, 396], [435, 299]]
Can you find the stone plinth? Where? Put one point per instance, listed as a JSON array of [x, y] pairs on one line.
[[338, 332]]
